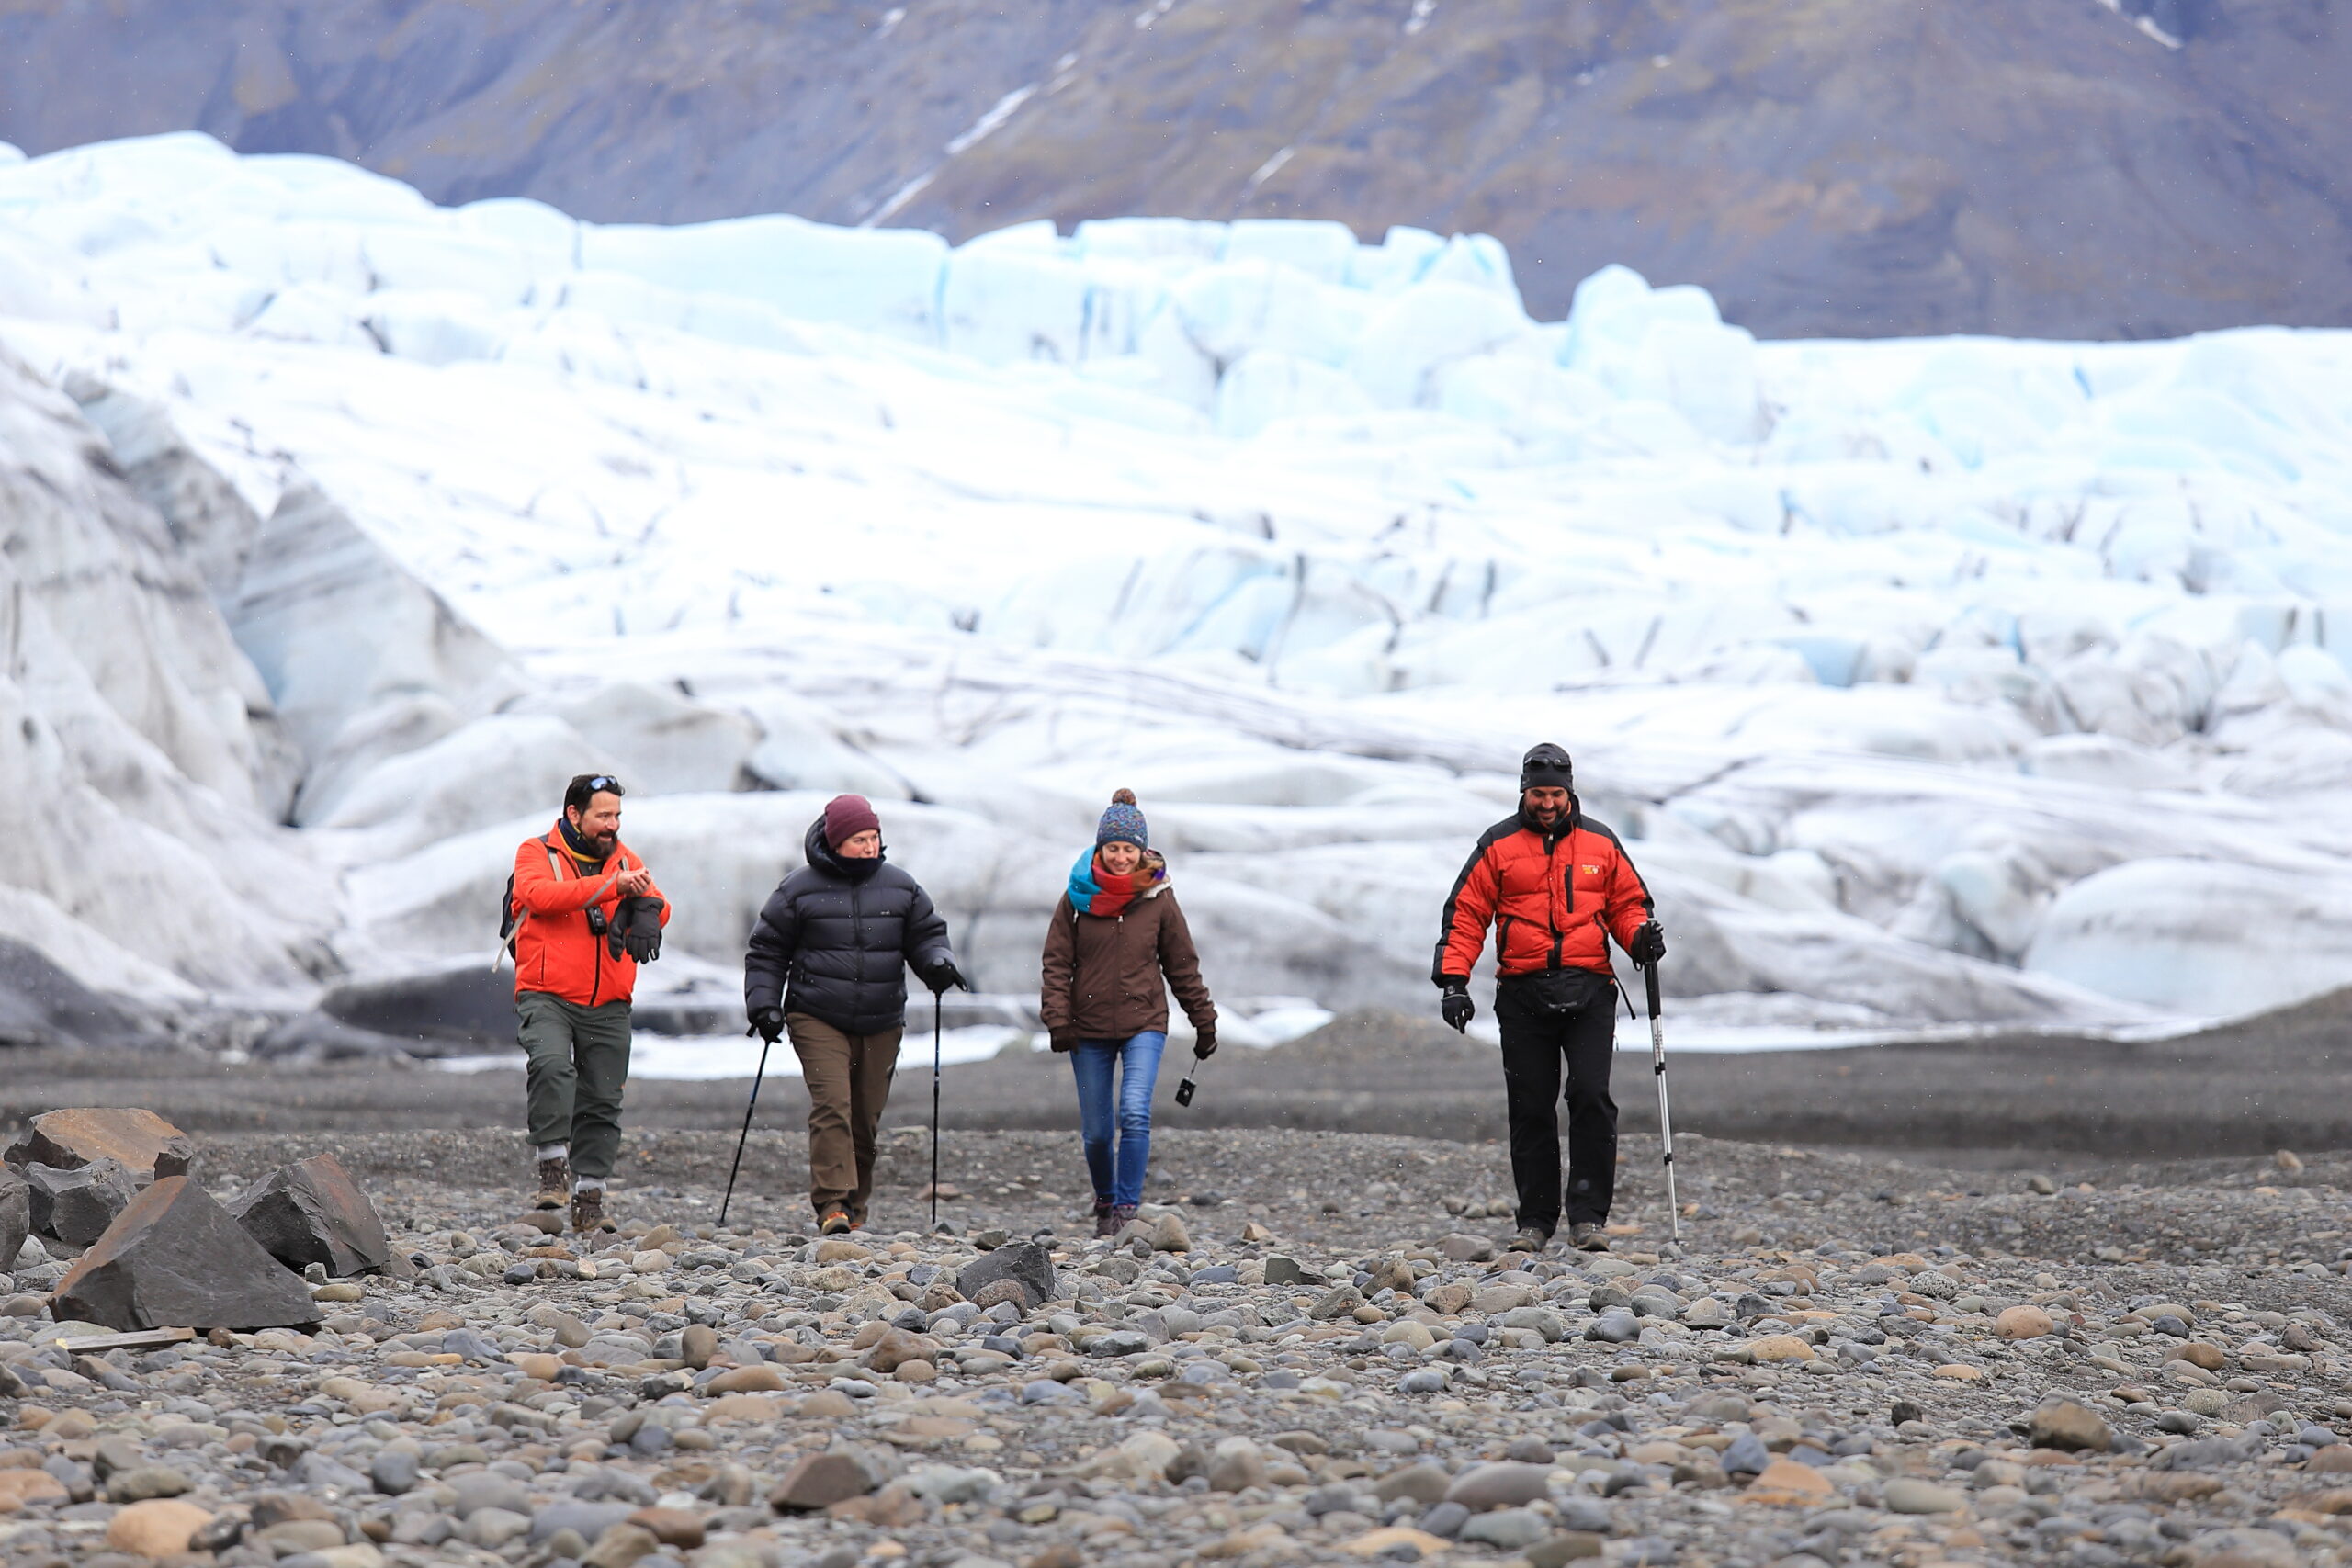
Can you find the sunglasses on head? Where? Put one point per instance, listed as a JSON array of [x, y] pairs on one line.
[[603, 782]]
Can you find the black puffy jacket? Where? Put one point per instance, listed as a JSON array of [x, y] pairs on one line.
[[840, 934]]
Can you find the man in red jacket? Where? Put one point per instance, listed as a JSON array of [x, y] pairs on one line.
[[587, 914], [1555, 886]]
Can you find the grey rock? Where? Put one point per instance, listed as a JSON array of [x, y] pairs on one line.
[[1510, 1529], [1909, 1495], [1025, 1262], [1425, 1379], [1588, 1515], [1445, 1520], [394, 1471], [16, 1215], [1281, 1271], [175, 1258], [77, 1205], [1235, 1465], [1539, 1320], [1615, 1326], [491, 1529], [1501, 1485], [1338, 1302], [476, 1492], [587, 1520], [1421, 1483], [1746, 1455]]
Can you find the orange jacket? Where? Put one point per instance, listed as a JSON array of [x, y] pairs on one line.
[[1555, 898], [554, 950]]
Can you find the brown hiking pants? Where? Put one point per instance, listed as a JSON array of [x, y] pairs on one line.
[[848, 1079]]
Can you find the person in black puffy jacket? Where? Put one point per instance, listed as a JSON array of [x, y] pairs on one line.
[[826, 965]]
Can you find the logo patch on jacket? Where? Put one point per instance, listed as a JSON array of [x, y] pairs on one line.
[[1590, 870]]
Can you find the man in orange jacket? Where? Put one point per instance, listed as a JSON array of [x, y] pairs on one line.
[[1555, 886], [587, 914]]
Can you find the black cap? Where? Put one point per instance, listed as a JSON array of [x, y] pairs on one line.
[[1546, 767]]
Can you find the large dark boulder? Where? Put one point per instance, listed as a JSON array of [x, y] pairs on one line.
[[313, 1212], [67, 1140], [41, 1004], [178, 1259]]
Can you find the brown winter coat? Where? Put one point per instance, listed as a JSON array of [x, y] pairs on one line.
[[1102, 977]]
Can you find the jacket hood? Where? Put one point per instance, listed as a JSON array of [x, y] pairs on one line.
[[822, 857]]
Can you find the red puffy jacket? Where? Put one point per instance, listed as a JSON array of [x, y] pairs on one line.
[[1555, 897], [554, 950]]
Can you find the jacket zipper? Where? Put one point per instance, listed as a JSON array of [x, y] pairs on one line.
[[1551, 853]]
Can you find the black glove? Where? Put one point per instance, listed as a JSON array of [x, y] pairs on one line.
[[1648, 945], [768, 1025], [1457, 1007], [641, 927], [1204, 1043], [942, 974]]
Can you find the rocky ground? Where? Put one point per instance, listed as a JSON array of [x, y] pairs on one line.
[[1309, 1349]]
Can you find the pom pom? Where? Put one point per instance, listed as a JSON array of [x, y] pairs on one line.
[[1123, 797]]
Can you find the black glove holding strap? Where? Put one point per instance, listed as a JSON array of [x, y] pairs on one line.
[[1648, 945], [768, 1025], [942, 975]]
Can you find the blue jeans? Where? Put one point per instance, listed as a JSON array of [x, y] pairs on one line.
[[1125, 1112]]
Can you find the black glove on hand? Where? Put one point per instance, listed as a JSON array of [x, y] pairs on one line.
[[1649, 944], [942, 974], [768, 1025], [1204, 1043], [1457, 1007], [640, 926]]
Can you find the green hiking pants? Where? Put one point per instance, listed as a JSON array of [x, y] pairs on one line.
[[579, 1064]]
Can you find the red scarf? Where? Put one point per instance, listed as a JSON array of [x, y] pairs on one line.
[[1117, 892]]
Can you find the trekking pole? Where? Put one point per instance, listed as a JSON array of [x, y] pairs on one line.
[[746, 1136], [935, 1108], [1665, 1121]]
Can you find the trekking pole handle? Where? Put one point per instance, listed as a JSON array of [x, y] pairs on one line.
[[1650, 983]]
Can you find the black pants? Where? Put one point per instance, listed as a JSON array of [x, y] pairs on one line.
[[1536, 1044]]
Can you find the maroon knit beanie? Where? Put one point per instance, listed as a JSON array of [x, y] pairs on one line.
[[846, 816]]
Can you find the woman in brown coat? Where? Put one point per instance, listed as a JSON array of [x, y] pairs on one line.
[[1115, 932]]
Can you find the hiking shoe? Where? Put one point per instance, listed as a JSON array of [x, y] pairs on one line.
[[835, 1223], [588, 1211], [1588, 1238], [1122, 1216], [1530, 1238], [555, 1183], [1104, 1225]]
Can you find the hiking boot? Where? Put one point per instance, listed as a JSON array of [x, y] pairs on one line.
[[1530, 1238], [835, 1223], [1104, 1225], [588, 1211], [1588, 1237], [555, 1183], [1122, 1216]]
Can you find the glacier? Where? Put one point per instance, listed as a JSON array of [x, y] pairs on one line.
[[1932, 683]]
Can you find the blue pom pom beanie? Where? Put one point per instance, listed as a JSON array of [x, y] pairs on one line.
[[1123, 823]]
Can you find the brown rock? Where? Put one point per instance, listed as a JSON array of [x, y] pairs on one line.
[[2023, 1322], [1785, 1483], [1779, 1348], [2065, 1424], [149, 1145], [158, 1527], [20, 1486], [697, 1345], [2334, 1460], [2198, 1353], [892, 1508], [671, 1527], [997, 1293], [311, 1212], [1448, 1300], [176, 1260], [896, 1345], [621, 1545], [537, 1364], [820, 1481], [916, 1371], [750, 1408], [761, 1379], [828, 1405]]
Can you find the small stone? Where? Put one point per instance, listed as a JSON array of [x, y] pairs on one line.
[[491, 1529], [1786, 1483], [2289, 1161], [819, 1480], [1337, 1303], [1445, 1520], [158, 1528], [395, 1470], [2065, 1424], [2023, 1322], [1235, 1464], [621, 1545], [136, 1485], [760, 1379], [1168, 1234], [671, 1527], [1467, 1248], [1616, 1326], [1510, 1529], [2042, 1184], [1023, 1262], [1566, 1547], [2197, 1353], [697, 1345], [1746, 1455], [1002, 1293], [1500, 1485], [1779, 1348], [1424, 1484], [1909, 1495], [1281, 1271]]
